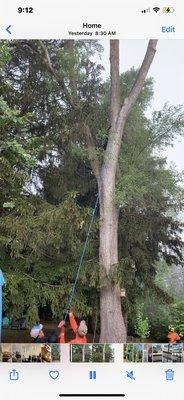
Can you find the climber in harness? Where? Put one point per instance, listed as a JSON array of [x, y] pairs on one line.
[[80, 330]]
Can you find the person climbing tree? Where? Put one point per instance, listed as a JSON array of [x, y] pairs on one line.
[[80, 330]]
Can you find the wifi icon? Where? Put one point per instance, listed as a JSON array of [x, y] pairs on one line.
[[156, 9]]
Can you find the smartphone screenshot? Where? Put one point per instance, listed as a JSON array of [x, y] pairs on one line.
[[91, 200]]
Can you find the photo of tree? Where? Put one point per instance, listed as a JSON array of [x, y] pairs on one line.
[[91, 196], [55, 352], [92, 353]]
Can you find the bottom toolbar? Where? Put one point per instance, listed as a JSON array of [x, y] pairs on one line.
[[102, 380]]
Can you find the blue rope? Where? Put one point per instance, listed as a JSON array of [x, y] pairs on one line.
[[72, 293]]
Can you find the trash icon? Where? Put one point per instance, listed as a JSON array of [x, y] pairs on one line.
[[169, 375]]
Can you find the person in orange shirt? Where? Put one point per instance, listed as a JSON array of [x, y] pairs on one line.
[[173, 336], [80, 330]]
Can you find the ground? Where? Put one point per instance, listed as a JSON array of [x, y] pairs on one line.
[[23, 336]]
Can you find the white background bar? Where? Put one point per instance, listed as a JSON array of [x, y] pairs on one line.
[[57, 18]]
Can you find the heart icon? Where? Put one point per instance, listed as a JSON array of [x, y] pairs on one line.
[[54, 374]]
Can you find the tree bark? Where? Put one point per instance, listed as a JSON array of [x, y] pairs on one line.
[[113, 328], [113, 325]]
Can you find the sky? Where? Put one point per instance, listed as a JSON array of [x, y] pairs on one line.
[[167, 70]]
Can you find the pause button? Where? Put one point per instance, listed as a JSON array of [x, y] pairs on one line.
[[92, 374]]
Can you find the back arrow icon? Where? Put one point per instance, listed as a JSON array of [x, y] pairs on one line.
[[8, 29]]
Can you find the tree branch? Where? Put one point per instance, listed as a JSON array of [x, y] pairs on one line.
[[129, 102], [116, 134], [55, 74], [74, 102], [115, 83], [70, 44], [141, 76], [95, 164]]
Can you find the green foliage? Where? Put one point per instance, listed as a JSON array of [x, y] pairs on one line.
[[158, 313], [77, 353], [9, 205], [92, 353], [161, 316], [145, 179], [45, 245], [141, 324], [177, 316], [48, 187], [102, 353], [180, 329], [16, 153], [55, 352], [5, 53]]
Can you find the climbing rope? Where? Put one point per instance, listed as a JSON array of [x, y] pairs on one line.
[[72, 293]]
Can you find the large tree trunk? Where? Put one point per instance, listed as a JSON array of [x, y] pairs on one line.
[[113, 328]]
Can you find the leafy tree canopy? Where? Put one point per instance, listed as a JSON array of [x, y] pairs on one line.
[[48, 187]]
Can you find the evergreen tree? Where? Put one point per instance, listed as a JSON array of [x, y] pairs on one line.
[[49, 183]]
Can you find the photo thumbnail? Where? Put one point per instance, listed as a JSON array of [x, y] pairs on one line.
[[159, 353], [30, 353], [92, 353]]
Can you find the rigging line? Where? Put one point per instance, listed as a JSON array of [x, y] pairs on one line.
[[71, 296]]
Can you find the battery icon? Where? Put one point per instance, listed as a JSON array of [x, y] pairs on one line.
[[168, 10]]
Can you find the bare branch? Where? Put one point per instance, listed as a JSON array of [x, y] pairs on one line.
[[116, 134], [115, 83], [95, 164], [48, 61], [72, 75], [55, 74], [137, 87]]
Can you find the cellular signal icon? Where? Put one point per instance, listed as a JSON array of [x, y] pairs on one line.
[[156, 9], [147, 10]]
